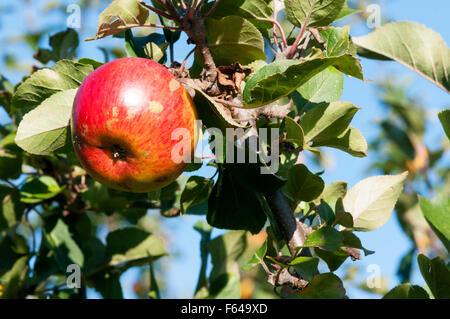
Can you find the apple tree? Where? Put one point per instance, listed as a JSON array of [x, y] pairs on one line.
[[258, 66]]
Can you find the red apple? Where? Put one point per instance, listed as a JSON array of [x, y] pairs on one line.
[[123, 117]]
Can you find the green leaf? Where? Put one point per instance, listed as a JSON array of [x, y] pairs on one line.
[[36, 190], [437, 213], [149, 46], [407, 291], [234, 39], [224, 276], [46, 82], [66, 249], [372, 200], [346, 11], [282, 77], [171, 198], [248, 9], [10, 162], [339, 43], [108, 284], [14, 279], [337, 40], [350, 141], [306, 267], [444, 117], [233, 204], [331, 193], [196, 191], [326, 213], [326, 238], [133, 246], [95, 64], [11, 208], [257, 258], [6, 92], [63, 46], [302, 185], [351, 240], [326, 86], [313, 12], [156, 52], [413, 45], [120, 15], [100, 199], [12, 247], [154, 288], [327, 121], [45, 128], [333, 259], [226, 286], [404, 269], [344, 219], [294, 132], [399, 137], [225, 250], [324, 286], [436, 274]]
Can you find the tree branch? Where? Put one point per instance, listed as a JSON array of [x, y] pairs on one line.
[[294, 233], [196, 31]]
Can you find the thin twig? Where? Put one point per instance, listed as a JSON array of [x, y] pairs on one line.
[[300, 36], [274, 30], [305, 45], [266, 269], [165, 15], [183, 65], [183, 5], [172, 10], [278, 25], [228, 103], [213, 8]]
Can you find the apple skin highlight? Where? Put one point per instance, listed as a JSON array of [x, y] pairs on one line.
[[123, 117]]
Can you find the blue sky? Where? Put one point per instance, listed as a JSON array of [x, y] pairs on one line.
[[389, 242]]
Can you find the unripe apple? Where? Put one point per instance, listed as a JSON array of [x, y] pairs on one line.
[[123, 117]]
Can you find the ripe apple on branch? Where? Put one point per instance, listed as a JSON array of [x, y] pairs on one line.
[[123, 118]]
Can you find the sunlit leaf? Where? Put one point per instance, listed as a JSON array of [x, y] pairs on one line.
[[313, 12], [372, 200], [45, 128], [437, 214], [36, 190], [42, 84], [407, 291], [120, 15], [234, 39], [324, 286], [436, 274], [413, 45]]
